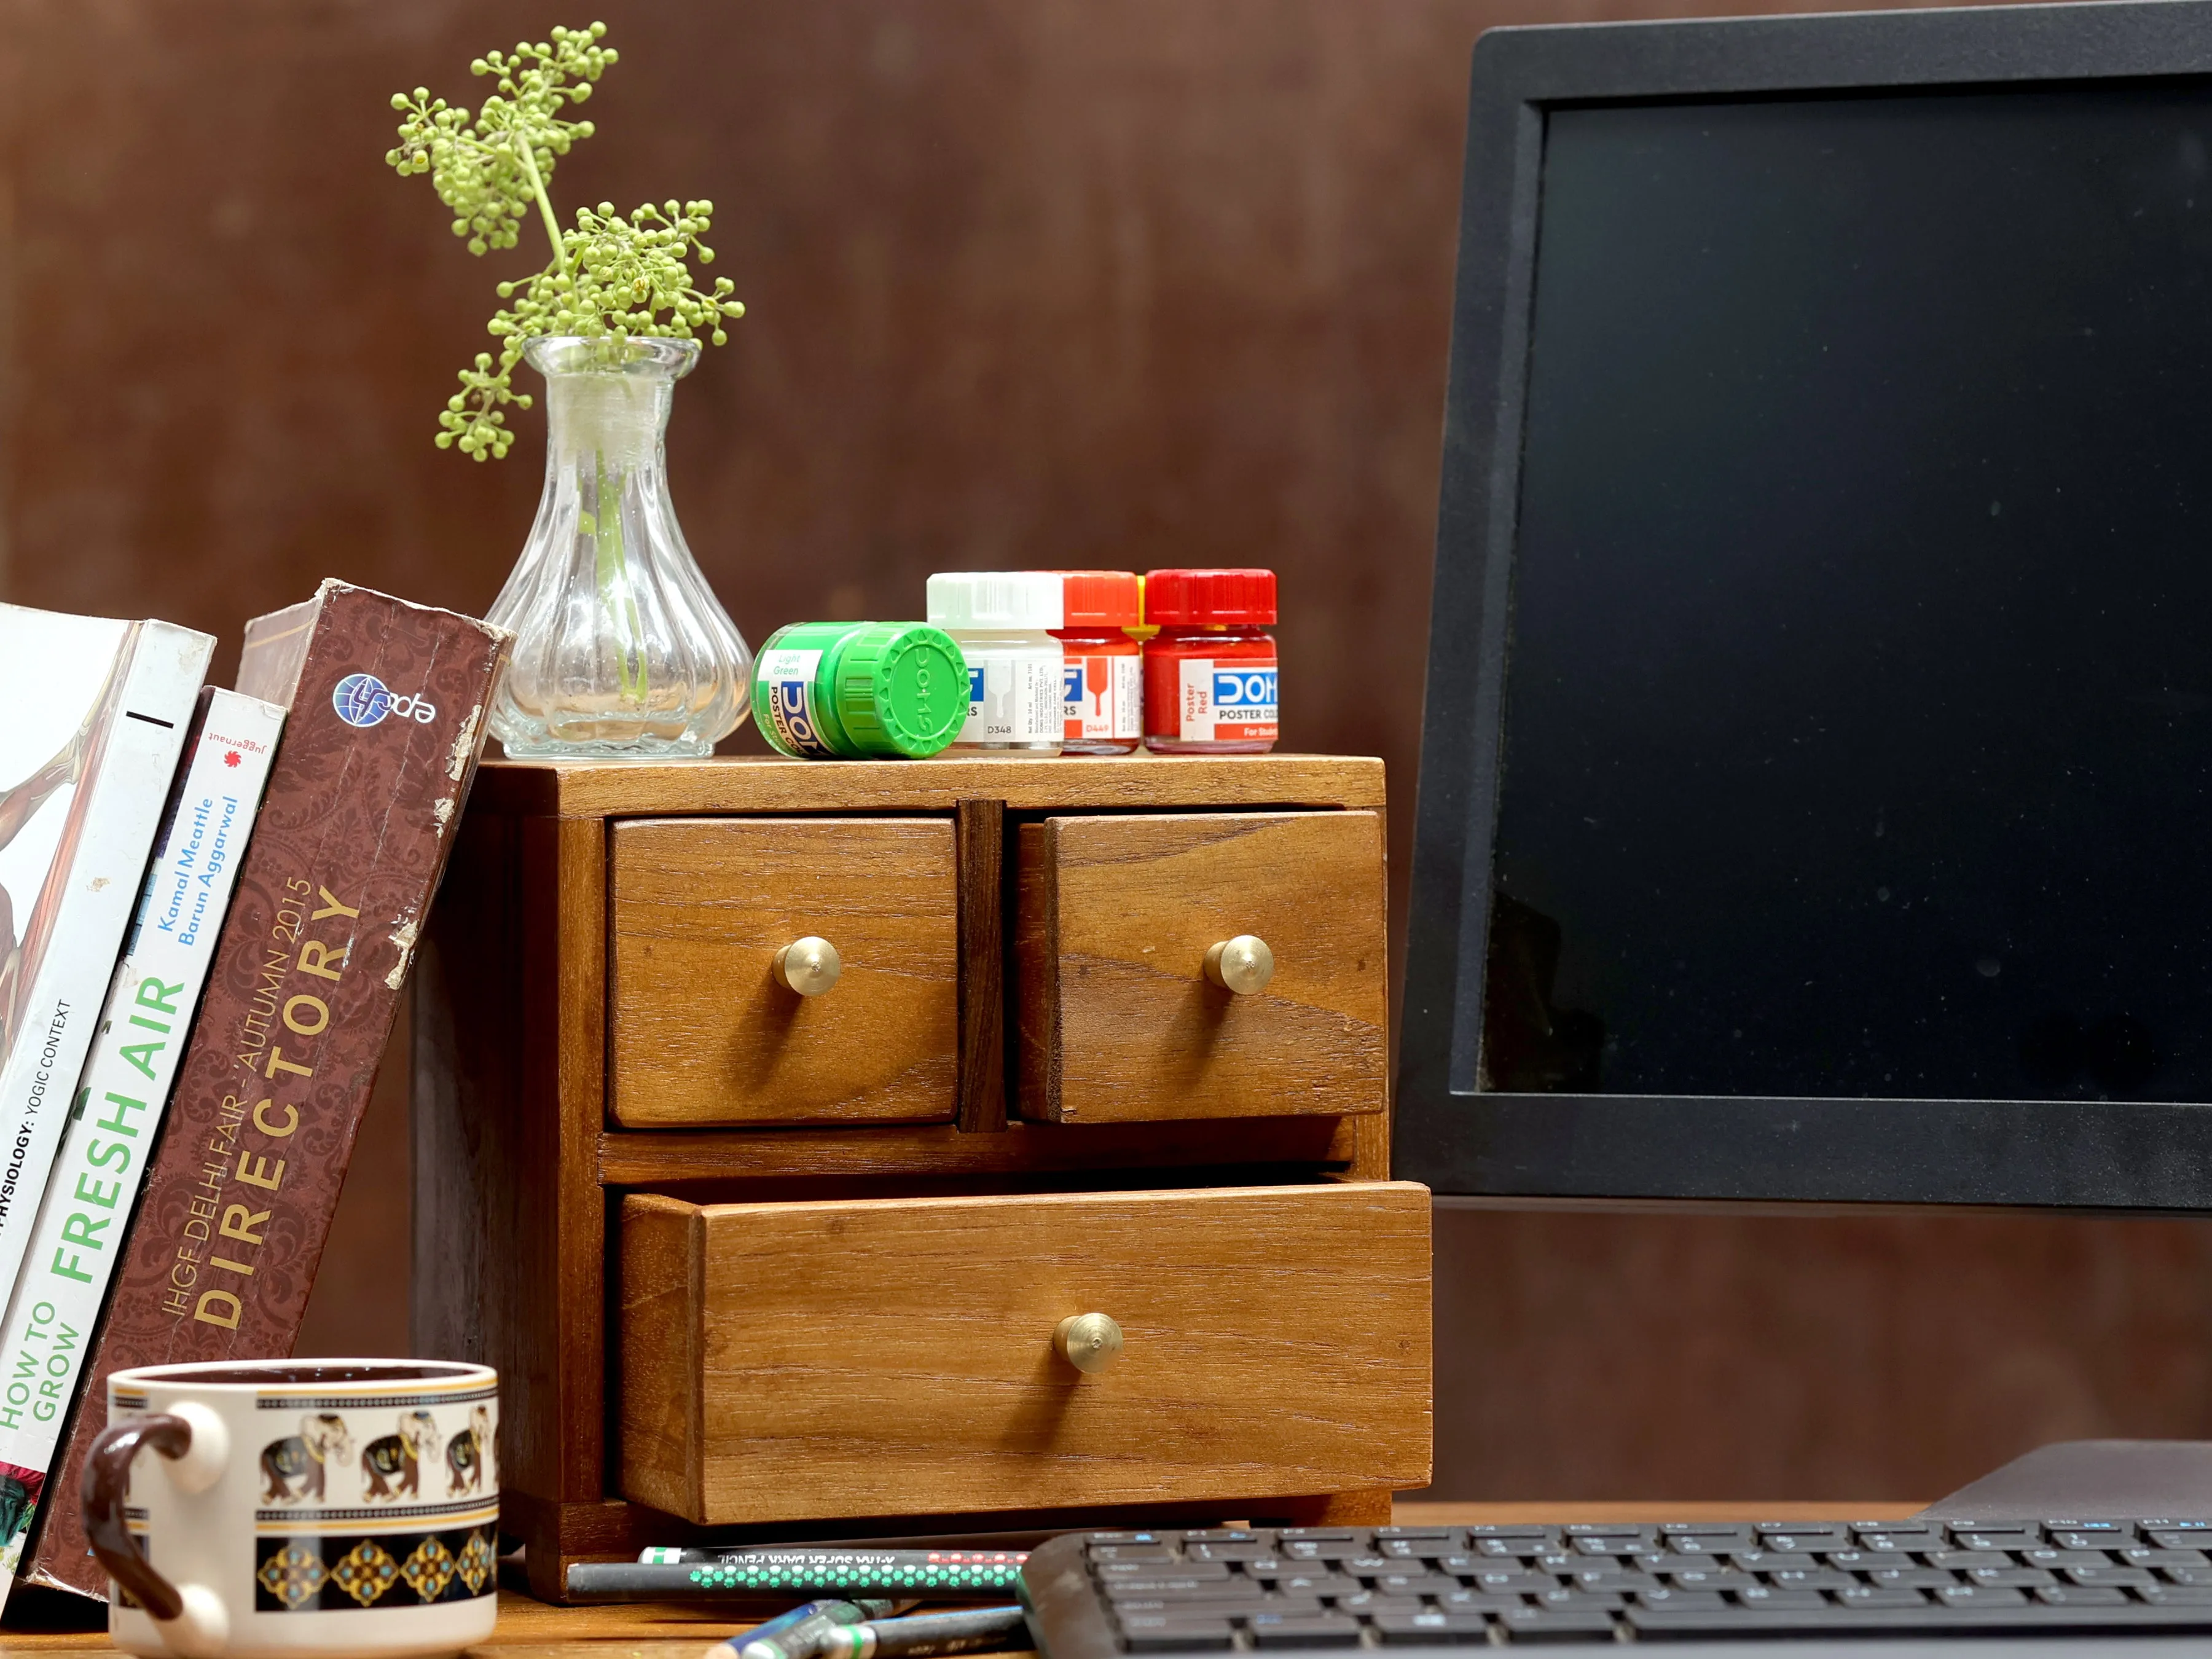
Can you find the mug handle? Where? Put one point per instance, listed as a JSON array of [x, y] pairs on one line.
[[107, 1480]]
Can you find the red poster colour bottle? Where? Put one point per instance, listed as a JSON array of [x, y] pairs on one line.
[[1105, 692], [1209, 671]]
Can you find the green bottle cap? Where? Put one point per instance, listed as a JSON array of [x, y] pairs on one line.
[[901, 688], [850, 690]]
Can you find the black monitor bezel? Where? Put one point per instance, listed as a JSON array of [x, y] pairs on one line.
[[2138, 1155]]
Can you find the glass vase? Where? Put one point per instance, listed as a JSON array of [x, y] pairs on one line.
[[621, 649]]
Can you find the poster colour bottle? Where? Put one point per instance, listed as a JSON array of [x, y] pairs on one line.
[[1209, 671], [1102, 666], [1002, 621]]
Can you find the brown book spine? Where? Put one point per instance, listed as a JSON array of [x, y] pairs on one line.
[[388, 701]]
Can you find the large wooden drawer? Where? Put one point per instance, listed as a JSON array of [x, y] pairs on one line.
[[781, 1362], [1118, 1019], [701, 1032]]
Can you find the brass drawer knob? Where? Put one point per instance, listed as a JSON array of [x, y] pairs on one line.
[[1087, 1341], [1244, 964], [808, 966]]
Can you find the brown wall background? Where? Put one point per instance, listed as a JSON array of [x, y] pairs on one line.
[[1114, 282]]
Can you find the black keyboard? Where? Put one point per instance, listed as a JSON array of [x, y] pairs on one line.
[[1093, 1595]]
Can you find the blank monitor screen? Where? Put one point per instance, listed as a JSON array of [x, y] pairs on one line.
[[1857, 721]]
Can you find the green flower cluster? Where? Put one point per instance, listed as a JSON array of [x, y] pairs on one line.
[[611, 277]]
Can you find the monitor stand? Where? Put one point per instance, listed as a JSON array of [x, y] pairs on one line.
[[2090, 1480]]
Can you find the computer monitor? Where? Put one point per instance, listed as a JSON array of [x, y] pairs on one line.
[[1816, 776]]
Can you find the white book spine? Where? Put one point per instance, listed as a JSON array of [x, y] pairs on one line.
[[77, 1241], [128, 791]]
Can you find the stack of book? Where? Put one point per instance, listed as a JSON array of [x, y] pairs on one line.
[[209, 901]]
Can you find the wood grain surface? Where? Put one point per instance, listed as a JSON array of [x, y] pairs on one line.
[[1118, 1021], [702, 1032], [773, 784], [782, 1360], [509, 1240], [645, 1158]]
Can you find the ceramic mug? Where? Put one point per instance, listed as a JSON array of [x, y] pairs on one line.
[[298, 1507]]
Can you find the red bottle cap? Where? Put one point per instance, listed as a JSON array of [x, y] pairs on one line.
[[1200, 598], [1098, 598]]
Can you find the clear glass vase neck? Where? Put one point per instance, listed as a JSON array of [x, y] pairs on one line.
[[607, 402]]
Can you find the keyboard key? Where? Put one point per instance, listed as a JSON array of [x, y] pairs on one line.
[[1467, 1600], [2177, 1534], [2091, 1535], [1320, 1549], [2115, 1578], [1773, 1560], [1686, 1600], [1877, 1595], [2163, 1559], [1166, 1635], [1335, 1533], [1717, 1577], [1567, 1596], [1414, 1549], [1977, 1596], [1985, 1537], [1102, 1553], [1406, 1630], [1220, 1536], [1200, 1606], [1329, 1630], [1810, 1578], [1913, 1578], [1614, 1579], [2182, 1596], [1414, 1584], [1166, 1580], [1229, 1553], [1759, 1596], [1382, 1532], [1317, 1584], [1369, 1603], [2010, 1578], [2057, 1559], [1789, 1537], [1712, 1543], [2073, 1595], [2194, 1576], [1556, 1624], [1641, 1532], [1959, 1560], [1893, 1541], [1501, 1581], [1172, 1622]]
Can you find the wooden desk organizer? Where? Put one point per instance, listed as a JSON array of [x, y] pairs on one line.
[[788, 1265]]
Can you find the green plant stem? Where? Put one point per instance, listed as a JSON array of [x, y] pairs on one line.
[[613, 571], [545, 207]]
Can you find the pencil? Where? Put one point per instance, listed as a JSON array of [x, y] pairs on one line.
[[926, 1633], [791, 1634], [789, 1572]]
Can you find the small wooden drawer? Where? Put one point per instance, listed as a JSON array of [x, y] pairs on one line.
[[701, 1032], [1118, 1019], [782, 1362]]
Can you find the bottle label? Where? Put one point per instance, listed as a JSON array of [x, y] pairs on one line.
[[789, 676], [1226, 701], [1105, 697], [1012, 699]]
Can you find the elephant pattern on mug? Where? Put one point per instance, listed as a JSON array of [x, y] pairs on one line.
[[468, 1453], [393, 1464], [305, 1458]]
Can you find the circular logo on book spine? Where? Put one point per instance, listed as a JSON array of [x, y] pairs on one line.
[[360, 699]]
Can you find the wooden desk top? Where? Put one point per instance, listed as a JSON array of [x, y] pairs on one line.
[[532, 1629]]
